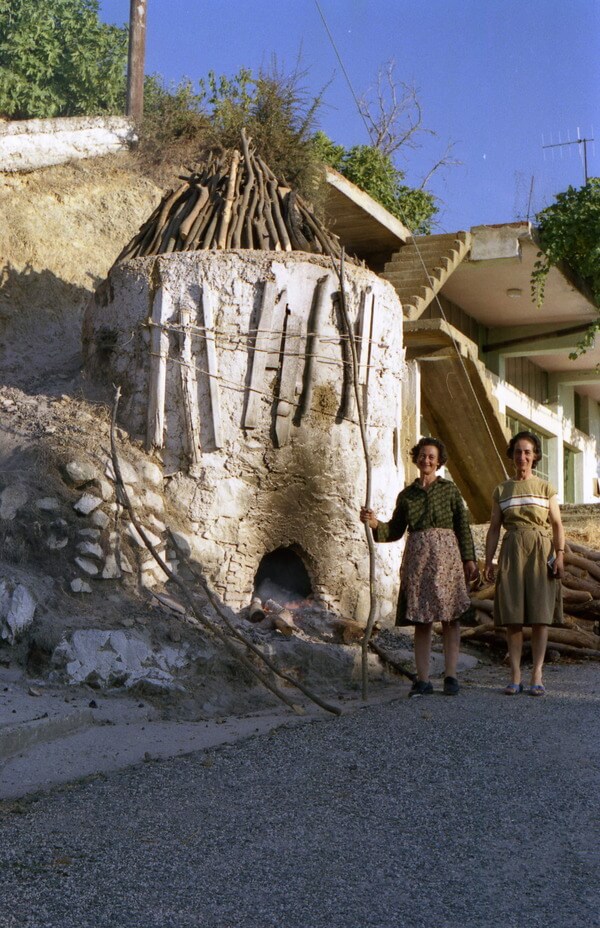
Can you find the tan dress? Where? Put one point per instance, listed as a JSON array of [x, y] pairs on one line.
[[526, 594]]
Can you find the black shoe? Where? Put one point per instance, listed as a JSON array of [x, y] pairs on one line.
[[451, 686], [421, 688]]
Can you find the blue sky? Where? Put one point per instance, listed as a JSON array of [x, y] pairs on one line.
[[499, 78]]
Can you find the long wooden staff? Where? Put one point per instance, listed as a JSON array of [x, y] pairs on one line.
[[363, 435]]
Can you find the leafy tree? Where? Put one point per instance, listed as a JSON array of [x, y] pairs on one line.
[[58, 59], [373, 171], [569, 231]]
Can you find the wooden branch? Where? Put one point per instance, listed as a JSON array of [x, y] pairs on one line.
[[587, 552], [368, 469], [392, 661], [584, 563], [315, 323]]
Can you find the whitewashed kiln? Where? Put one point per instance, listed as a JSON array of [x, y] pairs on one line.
[[235, 371]]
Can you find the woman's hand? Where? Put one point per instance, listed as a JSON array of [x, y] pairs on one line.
[[558, 568], [369, 518], [489, 572], [471, 571]]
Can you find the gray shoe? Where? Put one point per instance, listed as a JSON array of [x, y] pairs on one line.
[[451, 687], [421, 688]]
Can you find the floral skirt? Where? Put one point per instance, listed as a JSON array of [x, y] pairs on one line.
[[432, 581]]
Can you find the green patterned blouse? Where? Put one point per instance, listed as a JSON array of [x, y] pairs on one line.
[[439, 506]]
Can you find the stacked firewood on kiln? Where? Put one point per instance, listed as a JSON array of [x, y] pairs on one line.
[[578, 634], [234, 201]]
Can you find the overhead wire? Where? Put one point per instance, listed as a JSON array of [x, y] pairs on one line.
[[418, 251]]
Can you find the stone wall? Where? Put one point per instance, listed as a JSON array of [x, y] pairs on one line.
[[28, 144], [234, 368]]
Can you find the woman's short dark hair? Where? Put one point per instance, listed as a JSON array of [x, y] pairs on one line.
[[442, 453], [528, 436]]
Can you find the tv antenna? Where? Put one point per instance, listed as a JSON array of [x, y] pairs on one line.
[[577, 141]]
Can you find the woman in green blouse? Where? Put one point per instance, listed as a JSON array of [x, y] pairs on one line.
[[438, 560]]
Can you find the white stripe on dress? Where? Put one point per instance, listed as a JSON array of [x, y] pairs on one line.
[[515, 501]]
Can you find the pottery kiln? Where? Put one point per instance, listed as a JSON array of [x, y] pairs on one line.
[[235, 369]]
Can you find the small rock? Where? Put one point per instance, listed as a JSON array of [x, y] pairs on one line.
[[153, 501], [128, 472], [80, 472], [136, 537], [151, 473], [87, 503], [94, 534], [128, 622], [80, 586], [47, 504], [111, 570], [156, 523], [35, 691], [56, 542], [88, 549], [11, 500], [92, 704], [88, 567], [105, 487], [99, 519]]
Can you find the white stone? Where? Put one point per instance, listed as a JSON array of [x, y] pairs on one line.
[[184, 543], [94, 534], [99, 518], [88, 567], [111, 570], [128, 471], [106, 488], [151, 473], [136, 537], [115, 658], [156, 523], [86, 504], [89, 549], [80, 586], [11, 500], [17, 610], [56, 542], [80, 472], [154, 501], [47, 504]]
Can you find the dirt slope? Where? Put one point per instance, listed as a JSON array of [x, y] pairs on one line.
[[60, 230]]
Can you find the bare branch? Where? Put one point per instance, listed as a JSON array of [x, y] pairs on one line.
[[445, 161], [395, 117]]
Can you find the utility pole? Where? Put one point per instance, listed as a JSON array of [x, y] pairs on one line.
[[135, 59]]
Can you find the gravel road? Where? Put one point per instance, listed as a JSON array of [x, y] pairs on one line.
[[479, 811]]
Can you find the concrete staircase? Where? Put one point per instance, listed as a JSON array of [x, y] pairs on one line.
[[459, 403], [420, 269]]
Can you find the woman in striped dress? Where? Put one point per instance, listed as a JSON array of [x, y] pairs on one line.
[[530, 561]]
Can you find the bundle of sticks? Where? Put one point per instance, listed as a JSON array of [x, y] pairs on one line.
[[576, 632], [235, 201]]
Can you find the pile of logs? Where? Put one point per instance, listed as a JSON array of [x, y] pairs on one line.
[[576, 634], [235, 201]]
